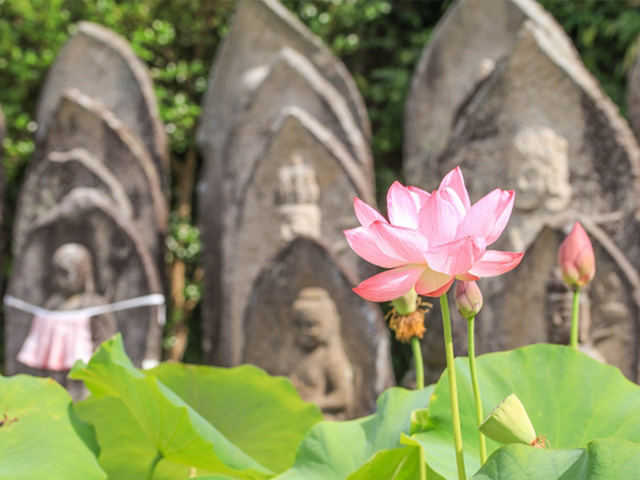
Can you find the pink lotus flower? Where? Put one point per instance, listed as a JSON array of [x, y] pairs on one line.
[[431, 239], [576, 258]]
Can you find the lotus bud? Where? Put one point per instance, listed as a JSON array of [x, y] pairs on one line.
[[509, 423], [468, 299], [576, 258]]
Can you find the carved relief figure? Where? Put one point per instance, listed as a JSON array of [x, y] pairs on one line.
[[55, 343], [323, 375], [539, 172], [298, 196]]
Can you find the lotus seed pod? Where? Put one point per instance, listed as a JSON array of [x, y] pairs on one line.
[[406, 304], [509, 423]]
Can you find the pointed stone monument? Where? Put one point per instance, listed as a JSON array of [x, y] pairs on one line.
[[463, 50], [303, 184], [102, 65]]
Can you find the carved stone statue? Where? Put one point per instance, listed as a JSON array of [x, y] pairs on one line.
[[55, 343], [72, 266], [323, 375], [539, 171], [298, 197]]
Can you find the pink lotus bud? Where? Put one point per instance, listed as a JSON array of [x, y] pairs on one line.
[[576, 259], [468, 299]]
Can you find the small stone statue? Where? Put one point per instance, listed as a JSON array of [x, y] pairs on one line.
[[539, 172], [323, 375], [298, 196], [56, 343]]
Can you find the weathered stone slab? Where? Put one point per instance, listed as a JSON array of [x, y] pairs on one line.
[[102, 65], [53, 178], [304, 321], [292, 80], [461, 53], [542, 126], [260, 29], [118, 267], [303, 183], [536, 306], [81, 122]]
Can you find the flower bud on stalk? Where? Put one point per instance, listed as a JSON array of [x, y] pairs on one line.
[[576, 258], [468, 299]]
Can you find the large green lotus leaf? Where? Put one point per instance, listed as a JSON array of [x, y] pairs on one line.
[[603, 459], [570, 397], [39, 435], [175, 430], [113, 422], [262, 415], [404, 463], [332, 450], [215, 477]]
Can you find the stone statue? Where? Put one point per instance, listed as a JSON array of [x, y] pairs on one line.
[[298, 196], [56, 343], [323, 375], [539, 172]]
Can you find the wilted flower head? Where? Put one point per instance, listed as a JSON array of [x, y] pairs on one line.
[[431, 239], [576, 258], [468, 298]]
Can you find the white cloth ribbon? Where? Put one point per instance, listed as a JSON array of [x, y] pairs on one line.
[[152, 300], [58, 338]]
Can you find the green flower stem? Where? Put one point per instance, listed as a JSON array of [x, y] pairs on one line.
[[575, 317], [154, 462], [453, 387], [476, 389], [417, 358]]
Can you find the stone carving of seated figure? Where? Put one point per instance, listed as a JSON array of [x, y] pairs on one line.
[[323, 375], [55, 343]]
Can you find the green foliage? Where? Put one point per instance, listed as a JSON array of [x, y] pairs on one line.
[[332, 451], [40, 436], [144, 425], [570, 397], [600, 460], [180, 421], [268, 420]]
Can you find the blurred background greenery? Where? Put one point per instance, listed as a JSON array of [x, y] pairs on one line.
[[380, 41]]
